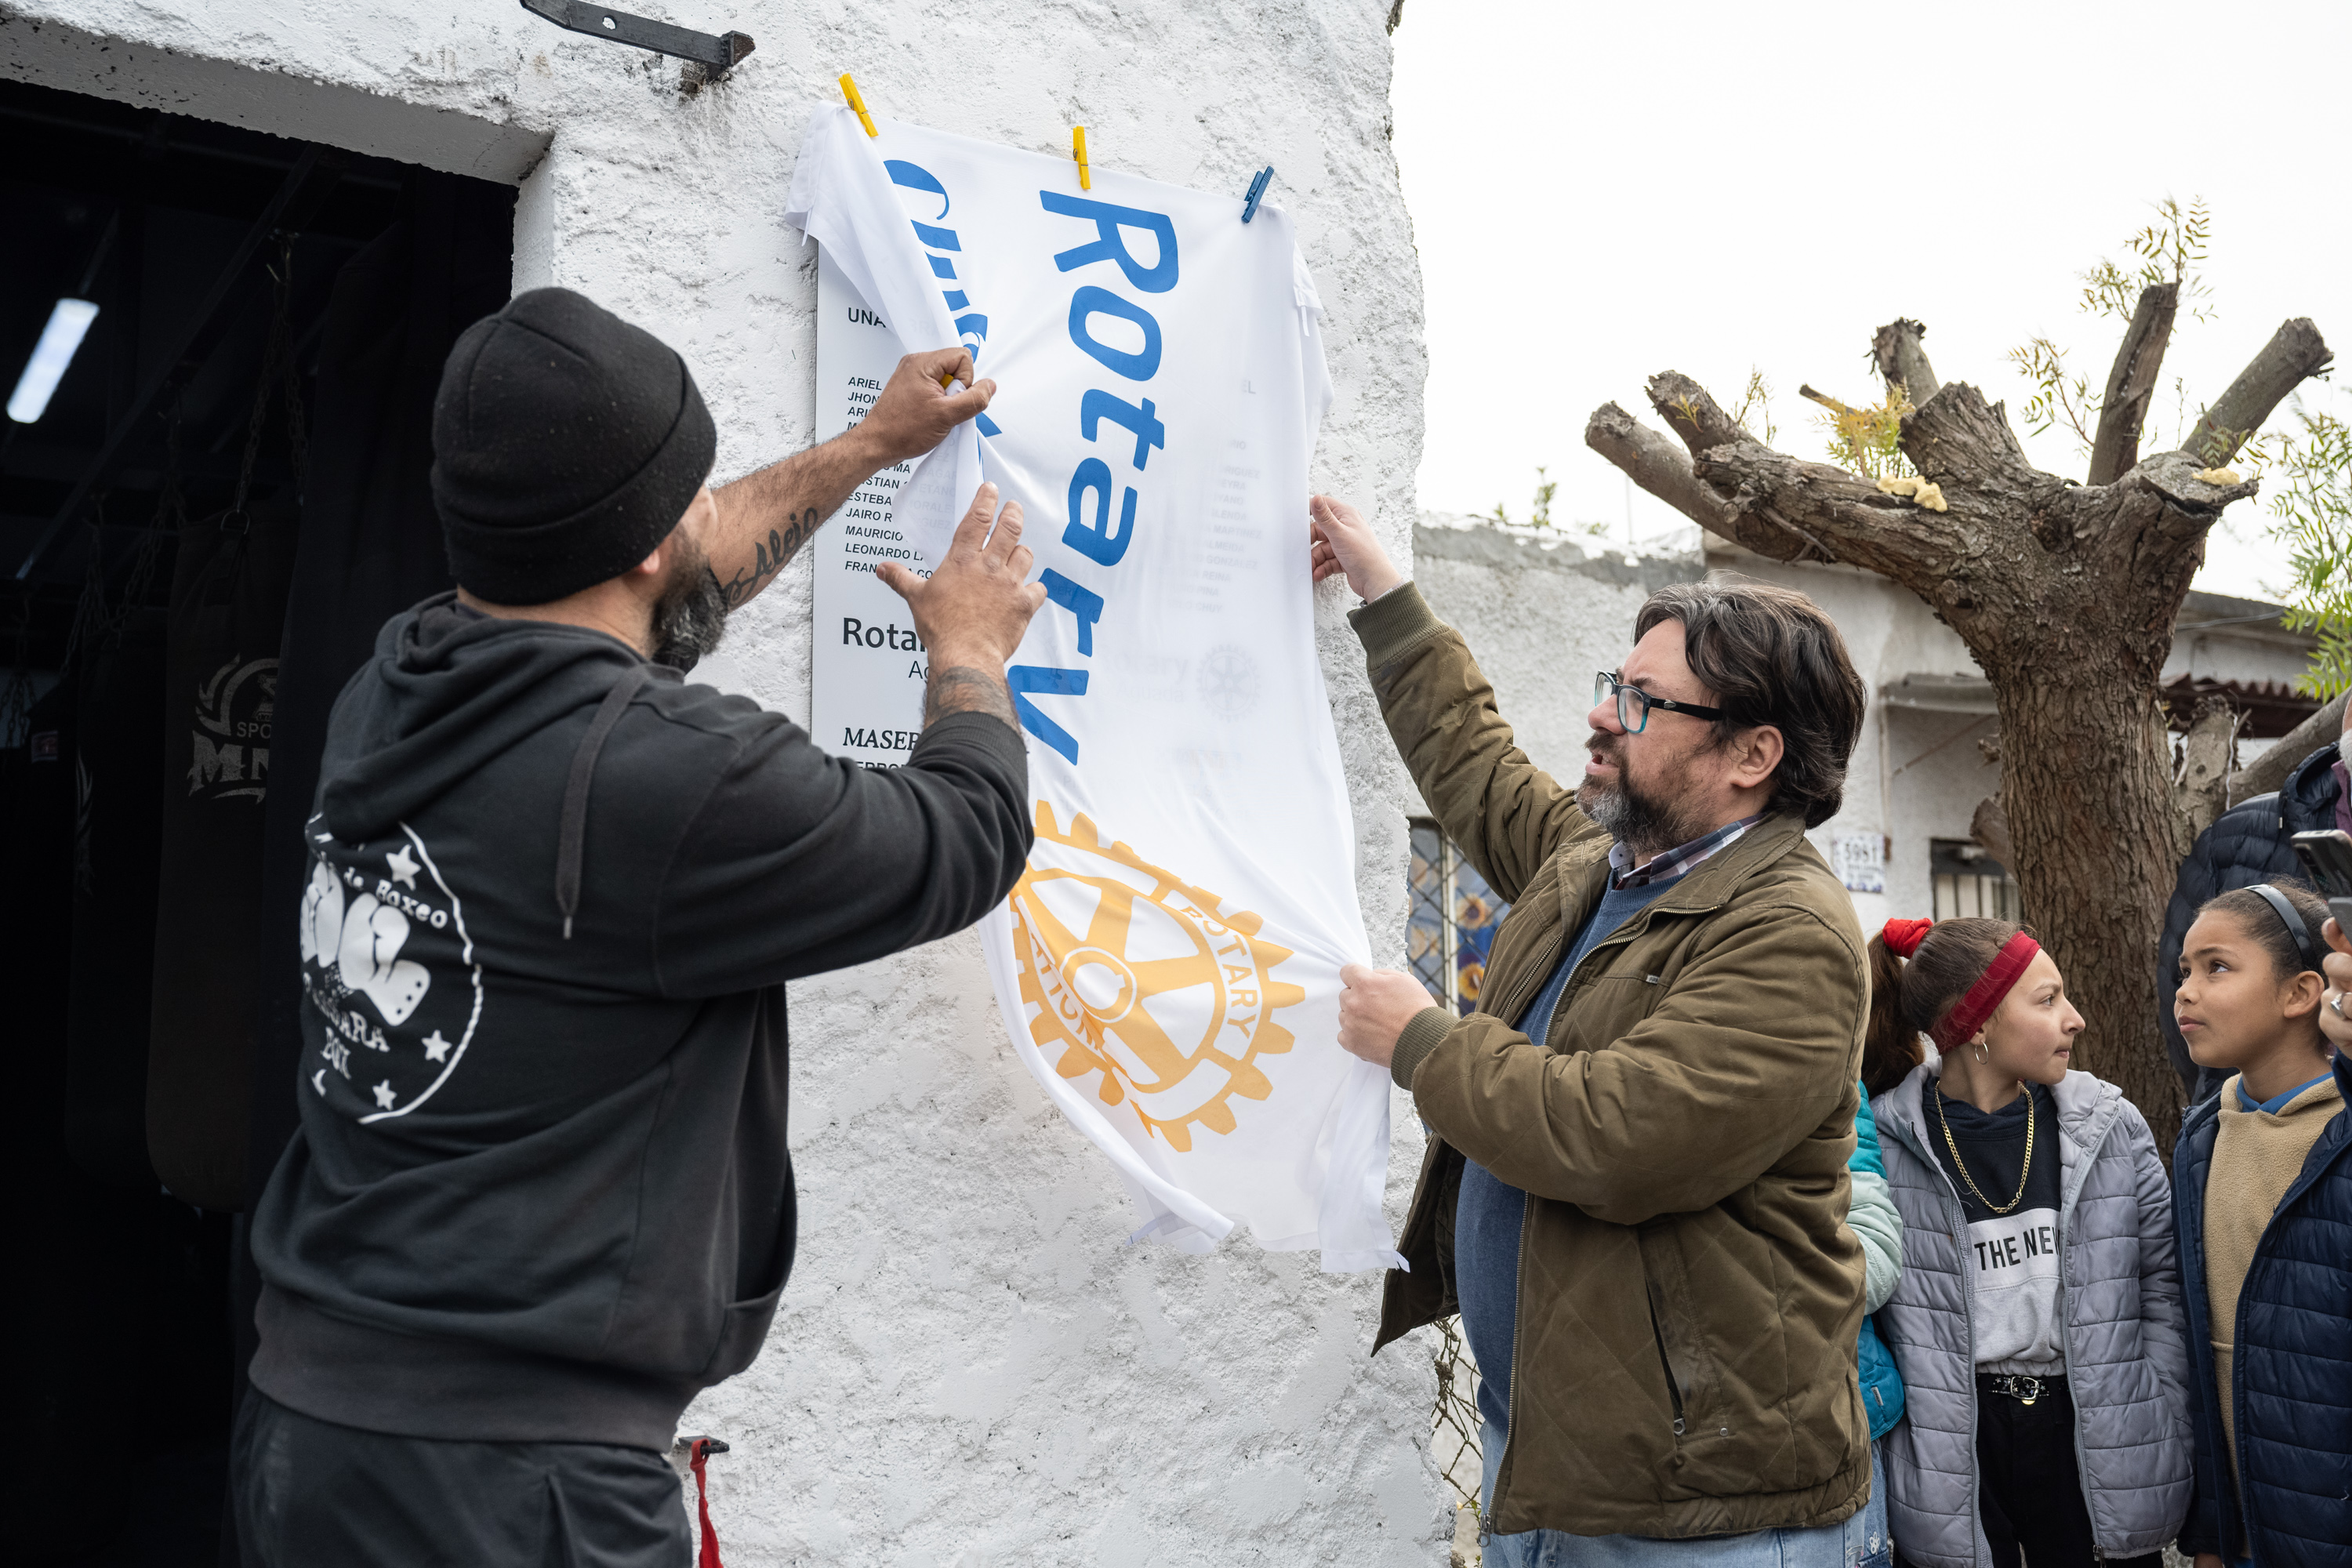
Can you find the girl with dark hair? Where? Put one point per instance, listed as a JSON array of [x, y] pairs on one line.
[[2264, 1204], [2038, 1321]]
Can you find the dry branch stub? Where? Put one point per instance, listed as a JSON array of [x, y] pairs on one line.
[[2295, 353], [2131, 382], [1901, 360]]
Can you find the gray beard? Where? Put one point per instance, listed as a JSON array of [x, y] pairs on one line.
[[691, 617], [1644, 826]]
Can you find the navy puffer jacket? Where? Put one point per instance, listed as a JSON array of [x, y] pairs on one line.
[[2248, 844], [2294, 1363]]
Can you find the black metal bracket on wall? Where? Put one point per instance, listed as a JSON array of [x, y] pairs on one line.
[[716, 54]]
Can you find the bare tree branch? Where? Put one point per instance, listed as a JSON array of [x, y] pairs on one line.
[[2295, 353], [1690, 413], [1659, 468], [2269, 771], [1845, 517], [2122, 410], [1896, 352]]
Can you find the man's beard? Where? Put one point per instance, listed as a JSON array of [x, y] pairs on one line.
[[1643, 823], [691, 617]]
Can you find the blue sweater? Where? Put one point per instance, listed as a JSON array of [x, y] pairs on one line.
[[2293, 1368], [1488, 1213]]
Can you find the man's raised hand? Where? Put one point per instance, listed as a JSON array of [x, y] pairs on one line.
[[915, 411], [1341, 541], [972, 612]]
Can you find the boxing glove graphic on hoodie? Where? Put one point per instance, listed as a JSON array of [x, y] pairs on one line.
[[361, 942]]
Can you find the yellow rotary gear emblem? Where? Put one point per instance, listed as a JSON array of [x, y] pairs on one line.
[[1139, 977]]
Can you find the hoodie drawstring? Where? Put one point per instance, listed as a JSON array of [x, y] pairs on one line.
[[575, 792]]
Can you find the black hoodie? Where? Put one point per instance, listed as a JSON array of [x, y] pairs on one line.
[[540, 1189]]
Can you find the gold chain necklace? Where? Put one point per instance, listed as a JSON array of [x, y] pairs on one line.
[[1961, 1165]]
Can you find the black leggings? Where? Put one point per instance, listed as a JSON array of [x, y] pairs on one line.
[[2029, 1488]]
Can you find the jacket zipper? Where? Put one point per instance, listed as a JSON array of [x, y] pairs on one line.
[[1674, 1388]]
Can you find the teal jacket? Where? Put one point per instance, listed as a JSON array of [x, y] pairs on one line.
[[1872, 1217]]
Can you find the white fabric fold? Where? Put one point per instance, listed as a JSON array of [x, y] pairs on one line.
[[1169, 965]]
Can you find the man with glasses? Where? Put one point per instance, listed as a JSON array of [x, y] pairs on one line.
[[1635, 1189]]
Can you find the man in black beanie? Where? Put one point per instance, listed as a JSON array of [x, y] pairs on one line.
[[540, 1195]]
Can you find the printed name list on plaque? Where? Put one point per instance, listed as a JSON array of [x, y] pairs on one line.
[[868, 669]]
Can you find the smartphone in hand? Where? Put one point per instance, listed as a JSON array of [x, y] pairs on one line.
[[2327, 855]]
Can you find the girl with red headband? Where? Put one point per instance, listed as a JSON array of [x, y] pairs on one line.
[[2038, 1324]]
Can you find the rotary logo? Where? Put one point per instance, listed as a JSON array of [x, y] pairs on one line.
[[1137, 976]]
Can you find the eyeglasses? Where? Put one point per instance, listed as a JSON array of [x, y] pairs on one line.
[[1633, 704]]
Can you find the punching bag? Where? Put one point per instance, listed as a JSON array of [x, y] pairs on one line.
[[228, 605], [118, 811], [229, 609], [38, 951], [370, 546]]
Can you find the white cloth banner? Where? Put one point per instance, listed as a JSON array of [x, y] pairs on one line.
[[1169, 966]]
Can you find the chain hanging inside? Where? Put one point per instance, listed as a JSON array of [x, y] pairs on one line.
[[277, 360], [1958, 1164]]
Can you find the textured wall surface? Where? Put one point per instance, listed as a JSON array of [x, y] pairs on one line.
[[1542, 611], [969, 1367]]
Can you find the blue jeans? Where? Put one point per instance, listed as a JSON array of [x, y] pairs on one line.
[[1860, 1541]]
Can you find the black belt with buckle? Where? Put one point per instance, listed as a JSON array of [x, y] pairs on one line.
[[2023, 1387]]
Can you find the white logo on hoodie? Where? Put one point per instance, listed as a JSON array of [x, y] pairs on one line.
[[373, 932]]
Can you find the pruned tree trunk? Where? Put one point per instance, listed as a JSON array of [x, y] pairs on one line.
[[2066, 594]]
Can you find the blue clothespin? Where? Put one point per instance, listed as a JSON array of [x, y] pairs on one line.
[[1256, 192]]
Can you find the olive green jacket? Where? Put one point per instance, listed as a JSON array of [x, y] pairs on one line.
[[1689, 1293]]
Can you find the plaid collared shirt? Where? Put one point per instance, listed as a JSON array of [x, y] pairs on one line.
[[1624, 873]]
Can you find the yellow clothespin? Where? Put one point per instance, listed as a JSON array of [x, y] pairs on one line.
[[1078, 151], [849, 91]]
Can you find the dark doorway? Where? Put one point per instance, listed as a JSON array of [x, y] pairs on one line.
[[236, 449]]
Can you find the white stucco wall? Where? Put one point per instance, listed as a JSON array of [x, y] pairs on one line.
[[1541, 611], [969, 1367]]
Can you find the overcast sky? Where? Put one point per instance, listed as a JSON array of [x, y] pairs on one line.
[[1600, 193]]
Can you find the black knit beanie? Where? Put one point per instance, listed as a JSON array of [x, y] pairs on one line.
[[566, 444]]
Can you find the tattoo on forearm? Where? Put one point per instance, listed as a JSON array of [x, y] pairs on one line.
[[768, 557], [966, 688]]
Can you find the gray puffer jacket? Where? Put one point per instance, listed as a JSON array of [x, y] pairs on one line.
[[2119, 1297]]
